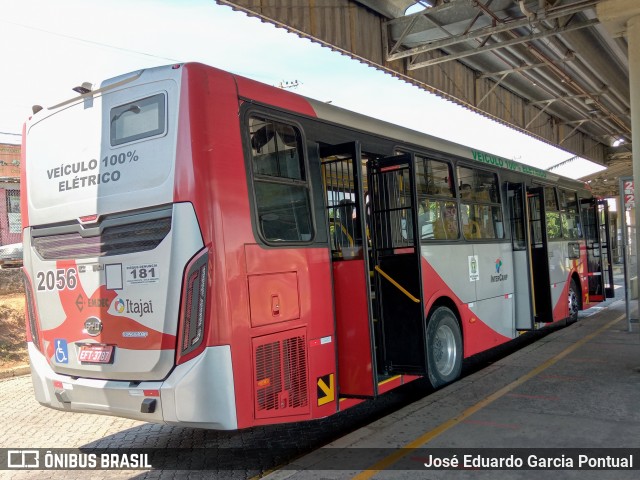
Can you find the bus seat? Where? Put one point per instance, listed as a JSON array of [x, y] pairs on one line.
[[472, 230]]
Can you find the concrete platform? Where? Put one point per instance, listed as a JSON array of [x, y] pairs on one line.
[[576, 388]]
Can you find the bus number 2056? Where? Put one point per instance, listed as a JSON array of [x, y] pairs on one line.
[[59, 279]]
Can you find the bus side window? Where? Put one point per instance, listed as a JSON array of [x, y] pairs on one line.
[[446, 225], [279, 181], [481, 210], [553, 219], [437, 215], [569, 215]]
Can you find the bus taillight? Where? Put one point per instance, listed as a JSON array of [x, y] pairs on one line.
[[193, 308], [33, 332]]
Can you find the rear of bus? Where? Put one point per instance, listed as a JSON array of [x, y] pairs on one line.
[[116, 265]]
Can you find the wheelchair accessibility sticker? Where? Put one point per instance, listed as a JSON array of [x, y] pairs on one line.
[[62, 353]]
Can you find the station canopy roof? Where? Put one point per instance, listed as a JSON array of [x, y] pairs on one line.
[[550, 68], [554, 53]]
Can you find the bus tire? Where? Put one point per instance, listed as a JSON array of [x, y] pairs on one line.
[[574, 301], [444, 347]]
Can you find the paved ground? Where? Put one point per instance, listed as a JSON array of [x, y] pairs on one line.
[[587, 396], [27, 425], [577, 387]]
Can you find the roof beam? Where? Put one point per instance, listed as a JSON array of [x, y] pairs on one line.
[[438, 26], [508, 43], [540, 112], [513, 70], [579, 123], [482, 32], [562, 98], [495, 85], [403, 35]]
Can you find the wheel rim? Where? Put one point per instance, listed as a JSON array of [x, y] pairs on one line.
[[444, 350], [573, 303]]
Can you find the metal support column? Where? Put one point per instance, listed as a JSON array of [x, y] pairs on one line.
[[633, 37], [622, 18]]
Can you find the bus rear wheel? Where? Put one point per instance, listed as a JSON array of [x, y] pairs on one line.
[[444, 347], [574, 301]]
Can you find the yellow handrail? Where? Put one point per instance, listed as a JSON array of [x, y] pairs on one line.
[[344, 230], [349, 237], [396, 284]]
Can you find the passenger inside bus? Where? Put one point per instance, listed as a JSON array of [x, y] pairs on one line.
[[471, 229], [446, 227], [425, 220], [465, 191], [345, 228]]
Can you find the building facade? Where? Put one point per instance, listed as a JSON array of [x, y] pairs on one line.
[[10, 224]]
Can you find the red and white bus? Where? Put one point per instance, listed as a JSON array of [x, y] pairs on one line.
[[204, 250]]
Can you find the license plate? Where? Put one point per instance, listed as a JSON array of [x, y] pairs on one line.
[[95, 353]]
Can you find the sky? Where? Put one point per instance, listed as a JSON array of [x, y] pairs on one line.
[[48, 47]]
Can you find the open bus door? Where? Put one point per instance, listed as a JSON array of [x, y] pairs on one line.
[[344, 198], [539, 255], [595, 218], [605, 247], [396, 261], [522, 256]]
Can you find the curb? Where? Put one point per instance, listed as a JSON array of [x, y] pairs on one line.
[[15, 371]]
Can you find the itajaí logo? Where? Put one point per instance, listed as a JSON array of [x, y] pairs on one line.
[[124, 306], [499, 277], [118, 305]]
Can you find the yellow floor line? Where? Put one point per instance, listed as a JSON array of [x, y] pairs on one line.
[[427, 437], [388, 380]]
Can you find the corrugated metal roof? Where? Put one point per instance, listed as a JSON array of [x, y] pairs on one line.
[[545, 67]]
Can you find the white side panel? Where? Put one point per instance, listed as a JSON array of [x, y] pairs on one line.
[[497, 313], [495, 262], [557, 251], [201, 392], [557, 295], [452, 265], [488, 289], [494, 288], [73, 171], [558, 271]]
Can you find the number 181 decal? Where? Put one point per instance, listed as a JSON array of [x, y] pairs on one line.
[[149, 273], [59, 279]]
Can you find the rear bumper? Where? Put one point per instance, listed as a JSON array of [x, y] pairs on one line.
[[198, 393]]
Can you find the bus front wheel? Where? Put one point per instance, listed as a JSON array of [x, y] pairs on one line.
[[444, 347], [574, 301]]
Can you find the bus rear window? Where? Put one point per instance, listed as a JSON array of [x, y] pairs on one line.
[[136, 120]]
